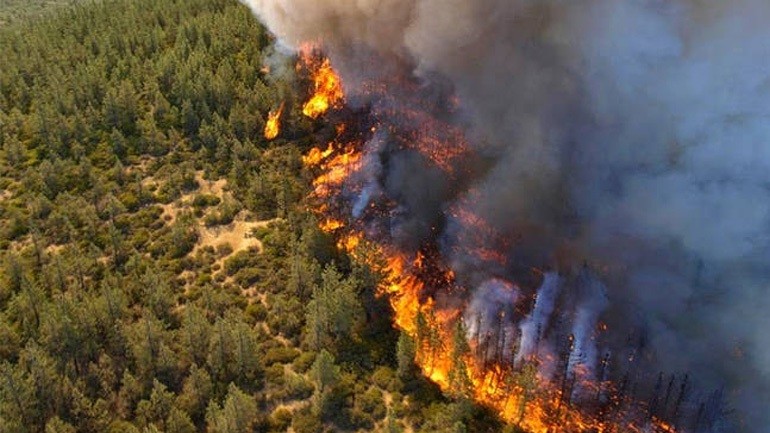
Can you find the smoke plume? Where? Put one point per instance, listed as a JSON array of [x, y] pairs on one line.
[[627, 136]]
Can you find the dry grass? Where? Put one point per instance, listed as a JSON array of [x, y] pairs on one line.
[[237, 235]]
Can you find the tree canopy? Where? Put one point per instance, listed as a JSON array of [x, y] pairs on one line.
[[159, 271]]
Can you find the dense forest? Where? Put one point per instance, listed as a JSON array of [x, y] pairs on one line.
[[159, 270]]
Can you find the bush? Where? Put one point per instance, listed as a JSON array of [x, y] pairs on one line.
[[298, 388], [224, 249], [274, 375], [303, 362], [282, 355], [129, 200], [358, 419], [280, 420], [205, 200], [289, 324], [15, 227], [224, 214], [140, 238], [305, 422], [386, 378], [397, 404], [371, 402], [257, 312], [237, 262], [248, 276]]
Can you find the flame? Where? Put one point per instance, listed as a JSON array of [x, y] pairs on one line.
[[350, 242], [327, 87], [273, 124], [518, 393], [316, 155], [330, 224], [337, 169]]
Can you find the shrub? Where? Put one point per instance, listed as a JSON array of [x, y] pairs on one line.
[[385, 378], [248, 276], [224, 214], [237, 262], [303, 362], [306, 422], [274, 375], [205, 200], [371, 402], [257, 312], [280, 420], [283, 355], [224, 249], [297, 387]]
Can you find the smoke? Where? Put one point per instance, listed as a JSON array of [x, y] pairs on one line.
[[532, 327], [584, 357], [489, 317], [631, 135]]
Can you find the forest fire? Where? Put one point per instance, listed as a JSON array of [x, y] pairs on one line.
[[273, 124], [572, 186], [327, 86], [506, 346]]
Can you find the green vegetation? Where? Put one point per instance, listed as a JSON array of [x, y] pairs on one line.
[[15, 11], [158, 271]]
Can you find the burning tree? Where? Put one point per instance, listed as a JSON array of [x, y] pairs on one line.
[[532, 350]]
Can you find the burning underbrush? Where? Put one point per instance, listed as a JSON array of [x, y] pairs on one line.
[[531, 343]]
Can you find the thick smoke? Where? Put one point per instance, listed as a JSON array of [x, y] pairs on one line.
[[628, 134]]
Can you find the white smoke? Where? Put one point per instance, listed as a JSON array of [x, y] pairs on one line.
[[634, 132], [535, 324], [490, 318], [584, 358]]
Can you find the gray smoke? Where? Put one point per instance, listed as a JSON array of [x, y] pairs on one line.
[[631, 134]]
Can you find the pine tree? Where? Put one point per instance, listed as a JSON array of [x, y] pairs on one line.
[[233, 353], [405, 355], [237, 415], [196, 392], [460, 384], [325, 374], [334, 313]]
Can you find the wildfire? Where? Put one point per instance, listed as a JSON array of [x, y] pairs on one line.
[[329, 225], [519, 393], [316, 155], [273, 124], [350, 242], [337, 170], [327, 87]]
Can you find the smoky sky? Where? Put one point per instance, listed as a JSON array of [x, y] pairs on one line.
[[631, 133]]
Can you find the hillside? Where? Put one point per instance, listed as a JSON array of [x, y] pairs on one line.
[[17, 11], [159, 271]]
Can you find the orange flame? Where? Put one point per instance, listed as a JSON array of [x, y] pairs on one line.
[[273, 124], [337, 169], [316, 155], [329, 225], [327, 90], [520, 395]]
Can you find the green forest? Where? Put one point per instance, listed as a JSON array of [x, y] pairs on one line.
[[159, 269]]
